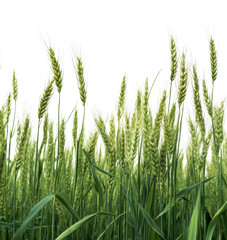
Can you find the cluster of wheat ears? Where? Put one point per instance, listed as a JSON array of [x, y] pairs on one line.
[[133, 187]]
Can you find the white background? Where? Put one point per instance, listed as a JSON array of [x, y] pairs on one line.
[[114, 38]]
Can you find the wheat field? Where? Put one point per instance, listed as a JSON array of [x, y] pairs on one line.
[[127, 178]]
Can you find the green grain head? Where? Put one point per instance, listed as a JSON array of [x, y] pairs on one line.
[[81, 82], [183, 81], [45, 100], [56, 70], [174, 63], [213, 60]]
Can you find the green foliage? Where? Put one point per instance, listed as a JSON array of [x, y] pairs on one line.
[[131, 178]]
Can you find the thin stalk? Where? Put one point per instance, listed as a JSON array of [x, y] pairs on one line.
[[11, 135], [170, 92], [14, 201], [77, 154], [36, 157], [56, 170]]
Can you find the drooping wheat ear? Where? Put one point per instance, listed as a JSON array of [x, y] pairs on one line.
[[24, 164], [49, 159], [168, 139], [183, 81], [146, 151], [195, 148], [69, 170], [45, 99], [172, 115], [128, 142], [162, 165], [2, 189], [112, 146], [154, 157], [15, 88], [74, 130], [80, 76], [22, 142], [45, 128], [122, 150], [158, 118], [56, 70], [218, 122], [135, 144], [197, 103], [207, 99], [121, 102], [8, 108], [213, 60], [102, 130], [62, 163], [138, 104], [2, 143], [112, 134], [92, 145], [206, 145], [173, 59], [91, 150], [31, 170], [110, 151]]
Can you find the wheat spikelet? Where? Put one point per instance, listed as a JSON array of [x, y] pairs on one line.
[[154, 157], [2, 202], [109, 148], [49, 159], [74, 130], [62, 163], [112, 146], [183, 81], [146, 153], [128, 142], [135, 143], [206, 145], [172, 114], [218, 123], [195, 148], [213, 60], [45, 100], [8, 108], [162, 165], [173, 59], [207, 99], [168, 139], [56, 70], [159, 116], [24, 164], [112, 133], [31, 170], [2, 143], [69, 170], [121, 102], [15, 88], [80, 76], [22, 142], [91, 150], [197, 103], [45, 131], [139, 104], [122, 150]]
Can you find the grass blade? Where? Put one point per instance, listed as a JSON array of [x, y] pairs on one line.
[[67, 206], [180, 195], [193, 227], [214, 221], [80, 223], [31, 215]]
